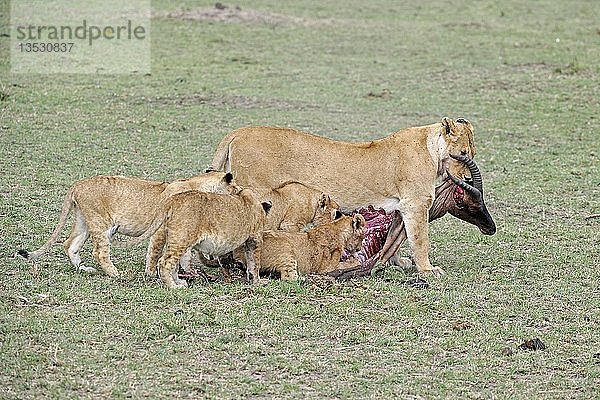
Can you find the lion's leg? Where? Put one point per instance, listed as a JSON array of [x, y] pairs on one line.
[[417, 231], [155, 249], [252, 252], [75, 242], [101, 252], [185, 262], [251, 270], [288, 271], [168, 264], [225, 273]]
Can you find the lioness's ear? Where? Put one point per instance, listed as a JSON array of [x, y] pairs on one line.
[[337, 214], [228, 178], [358, 222], [266, 205], [448, 126]]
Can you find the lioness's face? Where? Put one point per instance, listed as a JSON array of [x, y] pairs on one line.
[[459, 134]]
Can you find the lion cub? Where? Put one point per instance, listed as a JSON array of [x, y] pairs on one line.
[[106, 205], [316, 251], [213, 224], [297, 207]]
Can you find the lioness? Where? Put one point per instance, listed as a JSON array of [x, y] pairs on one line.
[[214, 224], [315, 251], [460, 198], [396, 172], [106, 205]]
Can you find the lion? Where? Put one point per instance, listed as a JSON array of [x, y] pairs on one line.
[[316, 251], [462, 199], [106, 205], [213, 224], [397, 172], [295, 208]]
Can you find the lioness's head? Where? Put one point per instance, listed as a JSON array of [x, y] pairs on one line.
[[459, 136]]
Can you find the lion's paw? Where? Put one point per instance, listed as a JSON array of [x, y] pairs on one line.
[[180, 286], [261, 281], [436, 271], [89, 270]]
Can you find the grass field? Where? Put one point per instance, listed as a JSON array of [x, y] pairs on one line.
[[526, 74]]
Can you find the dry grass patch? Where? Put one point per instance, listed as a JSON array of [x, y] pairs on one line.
[[236, 15]]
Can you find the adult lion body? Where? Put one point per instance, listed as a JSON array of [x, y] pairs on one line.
[[396, 172]]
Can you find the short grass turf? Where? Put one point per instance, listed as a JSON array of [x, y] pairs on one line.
[[525, 73]]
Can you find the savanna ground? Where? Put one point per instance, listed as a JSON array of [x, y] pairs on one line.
[[525, 73]]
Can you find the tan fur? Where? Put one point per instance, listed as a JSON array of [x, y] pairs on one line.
[[214, 224], [397, 172], [315, 251], [106, 205], [296, 206]]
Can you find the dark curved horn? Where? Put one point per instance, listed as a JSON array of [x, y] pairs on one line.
[[459, 182], [475, 173]]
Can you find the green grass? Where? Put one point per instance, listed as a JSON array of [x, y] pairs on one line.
[[533, 100]]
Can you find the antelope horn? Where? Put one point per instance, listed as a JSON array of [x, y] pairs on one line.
[[475, 173], [459, 182]]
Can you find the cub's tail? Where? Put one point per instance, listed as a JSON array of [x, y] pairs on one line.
[[68, 204]]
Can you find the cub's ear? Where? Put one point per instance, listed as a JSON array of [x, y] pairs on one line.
[[323, 200], [266, 205], [210, 169], [448, 126], [358, 222], [228, 178], [336, 214]]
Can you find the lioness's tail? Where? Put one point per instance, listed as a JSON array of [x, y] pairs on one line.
[[221, 161], [68, 204]]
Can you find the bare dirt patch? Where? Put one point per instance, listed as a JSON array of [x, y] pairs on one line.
[[228, 101], [532, 67], [235, 14], [464, 25]]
